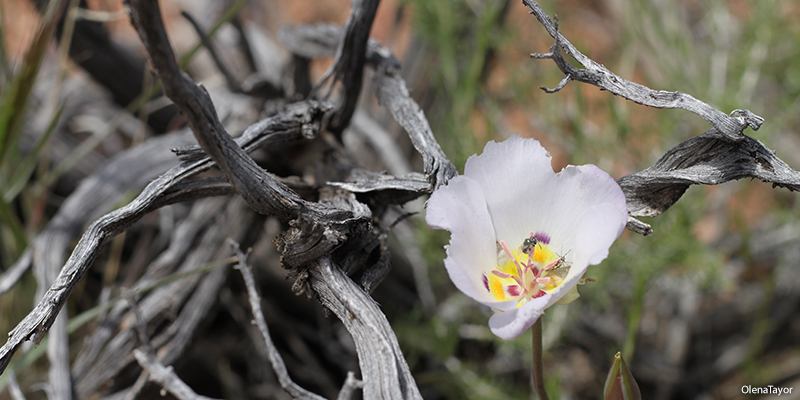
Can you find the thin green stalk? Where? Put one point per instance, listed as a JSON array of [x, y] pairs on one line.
[[538, 364], [9, 218], [635, 315], [228, 15]]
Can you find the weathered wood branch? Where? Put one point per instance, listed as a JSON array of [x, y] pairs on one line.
[[298, 122], [385, 189], [706, 159], [149, 361], [316, 228], [390, 89], [178, 306], [383, 367], [261, 88], [719, 155], [392, 93], [36, 324], [320, 228], [12, 275], [348, 65], [596, 74]]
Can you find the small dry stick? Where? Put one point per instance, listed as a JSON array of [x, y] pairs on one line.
[[350, 385], [13, 387], [275, 359], [148, 359]]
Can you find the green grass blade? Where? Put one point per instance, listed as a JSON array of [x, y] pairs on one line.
[[15, 228], [13, 104], [85, 317], [28, 164], [3, 55], [228, 15]]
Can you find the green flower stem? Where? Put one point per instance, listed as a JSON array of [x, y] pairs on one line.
[[538, 365]]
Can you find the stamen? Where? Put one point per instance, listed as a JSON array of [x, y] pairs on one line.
[[507, 276], [556, 263], [501, 274], [505, 248]]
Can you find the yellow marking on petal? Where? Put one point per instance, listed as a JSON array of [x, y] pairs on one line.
[[509, 267], [556, 278], [497, 288], [543, 254]]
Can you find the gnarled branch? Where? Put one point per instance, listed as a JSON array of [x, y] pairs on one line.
[[598, 75], [719, 155]]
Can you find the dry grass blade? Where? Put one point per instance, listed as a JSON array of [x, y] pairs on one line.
[[15, 98]]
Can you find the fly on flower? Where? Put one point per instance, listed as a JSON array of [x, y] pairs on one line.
[[508, 213], [529, 244]]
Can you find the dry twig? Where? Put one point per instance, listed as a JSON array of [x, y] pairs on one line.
[[148, 359], [275, 359]]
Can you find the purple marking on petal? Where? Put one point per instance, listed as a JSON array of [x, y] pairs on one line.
[[486, 283], [542, 237], [514, 290], [539, 294]]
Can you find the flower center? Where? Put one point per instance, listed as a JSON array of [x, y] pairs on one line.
[[527, 272]]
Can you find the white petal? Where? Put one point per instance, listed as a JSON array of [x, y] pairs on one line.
[[513, 174], [601, 225], [460, 208], [582, 209], [510, 324], [524, 195]]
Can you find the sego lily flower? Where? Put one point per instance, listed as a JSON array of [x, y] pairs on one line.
[[523, 236]]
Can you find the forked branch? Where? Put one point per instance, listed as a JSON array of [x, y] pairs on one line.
[[719, 155], [732, 127]]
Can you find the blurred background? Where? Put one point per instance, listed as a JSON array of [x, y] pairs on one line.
[[710, 302]]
